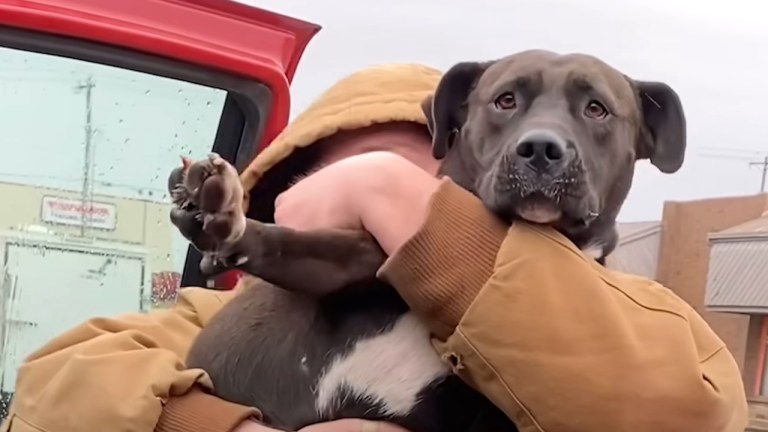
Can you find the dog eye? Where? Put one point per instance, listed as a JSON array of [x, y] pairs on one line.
[[595, 110], [505, 101]]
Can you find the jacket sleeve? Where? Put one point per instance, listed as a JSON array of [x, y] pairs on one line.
[[125, 373], [555, 340]]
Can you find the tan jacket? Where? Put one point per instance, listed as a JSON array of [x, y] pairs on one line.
[[117, 374], [558, 342]]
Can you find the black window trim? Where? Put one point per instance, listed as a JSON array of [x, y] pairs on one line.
[[243, 118]]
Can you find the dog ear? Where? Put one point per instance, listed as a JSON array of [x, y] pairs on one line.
[[426, 107], [448, 110], [664, 126]]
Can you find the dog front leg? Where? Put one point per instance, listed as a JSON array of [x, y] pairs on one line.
[[315, 262]]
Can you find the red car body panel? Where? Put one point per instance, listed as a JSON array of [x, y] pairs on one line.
[[218, 34]]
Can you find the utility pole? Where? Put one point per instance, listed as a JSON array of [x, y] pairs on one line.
[[86, 191], [745, 155], [764, 165]]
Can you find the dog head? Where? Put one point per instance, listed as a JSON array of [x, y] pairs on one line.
[[553, 138]]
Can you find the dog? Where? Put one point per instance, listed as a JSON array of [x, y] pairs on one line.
[[548, 138]]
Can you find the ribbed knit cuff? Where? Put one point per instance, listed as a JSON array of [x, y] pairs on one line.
[[440, 270], [198, 411]]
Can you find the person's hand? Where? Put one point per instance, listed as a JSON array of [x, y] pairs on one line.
[[378, 191], [353, 425], [254, 426], [344, 425]]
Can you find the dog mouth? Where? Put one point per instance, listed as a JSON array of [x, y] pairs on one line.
[[562, 199], [539, 208]]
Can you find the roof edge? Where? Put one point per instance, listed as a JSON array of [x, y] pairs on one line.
[[641, 234], [736, 309], [725, 237]]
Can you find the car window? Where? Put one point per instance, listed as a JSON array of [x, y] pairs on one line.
[[84, 231]]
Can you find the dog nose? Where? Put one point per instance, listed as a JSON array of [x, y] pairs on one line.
[[541, 150]]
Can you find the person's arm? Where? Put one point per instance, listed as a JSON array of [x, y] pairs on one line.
[[557, 342], [126, 374]]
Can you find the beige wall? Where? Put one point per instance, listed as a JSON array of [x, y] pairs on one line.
[[139, 223]]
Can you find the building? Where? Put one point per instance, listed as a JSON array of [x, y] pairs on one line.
[[713, 253], [65, 259], [638, 249], [738, 284]]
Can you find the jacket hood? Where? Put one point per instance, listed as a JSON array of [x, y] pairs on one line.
[[378, 94]]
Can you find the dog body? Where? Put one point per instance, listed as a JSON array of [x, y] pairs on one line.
[[539, 136]]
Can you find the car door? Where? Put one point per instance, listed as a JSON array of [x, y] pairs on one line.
[[98, 101]]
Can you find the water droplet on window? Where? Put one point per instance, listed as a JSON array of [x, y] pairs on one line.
[[127, 140], [146, 92], [120, 121], [208, 103]]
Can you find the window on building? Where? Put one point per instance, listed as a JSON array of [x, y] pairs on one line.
[[84, 231]]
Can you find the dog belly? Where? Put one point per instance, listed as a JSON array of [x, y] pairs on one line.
[[303, 361]]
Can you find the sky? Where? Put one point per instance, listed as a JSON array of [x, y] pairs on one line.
[[711, 52]]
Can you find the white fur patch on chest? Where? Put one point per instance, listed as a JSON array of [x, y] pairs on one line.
[[390, 369], [593, 251]]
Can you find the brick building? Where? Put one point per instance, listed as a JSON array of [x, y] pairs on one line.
[[714, 254]]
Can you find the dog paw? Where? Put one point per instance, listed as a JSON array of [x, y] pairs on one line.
[[207, 208]]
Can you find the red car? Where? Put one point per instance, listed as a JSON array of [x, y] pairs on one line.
[[98, 99]]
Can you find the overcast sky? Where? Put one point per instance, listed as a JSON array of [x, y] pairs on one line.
[[713, 52]]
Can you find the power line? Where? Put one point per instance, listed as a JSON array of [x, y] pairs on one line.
[[742, 154], [733, 150], [726, 156]]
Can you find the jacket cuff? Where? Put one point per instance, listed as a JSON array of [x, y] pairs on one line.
[[201, 412], [440, 270]]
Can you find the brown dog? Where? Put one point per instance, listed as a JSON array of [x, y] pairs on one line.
[[540, 136]]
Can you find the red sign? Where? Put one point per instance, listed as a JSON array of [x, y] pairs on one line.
[[69, 211]]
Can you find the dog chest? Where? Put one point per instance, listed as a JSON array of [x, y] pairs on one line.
[[390, 370]]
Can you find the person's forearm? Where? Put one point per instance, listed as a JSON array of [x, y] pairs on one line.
[[440, 270]]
